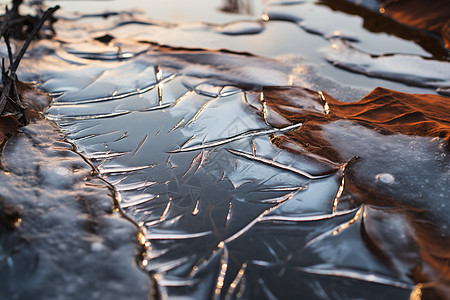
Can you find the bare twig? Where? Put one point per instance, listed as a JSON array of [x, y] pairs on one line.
[[9, 92], [8, 47], [33, 33], [5, 21]]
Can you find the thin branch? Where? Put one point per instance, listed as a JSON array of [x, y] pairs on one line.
[[8, 47], [5, 21], [9, 92], [33, 33]]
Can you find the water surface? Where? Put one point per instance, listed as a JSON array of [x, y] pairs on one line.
[[247, 190]]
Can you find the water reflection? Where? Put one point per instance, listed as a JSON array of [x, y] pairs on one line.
[[238, 7], [376, 22]]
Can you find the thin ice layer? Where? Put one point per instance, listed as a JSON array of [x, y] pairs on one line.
[[124, 30], [413, 70], [358, 46], [229, 212], [203, 184], [400, 177]]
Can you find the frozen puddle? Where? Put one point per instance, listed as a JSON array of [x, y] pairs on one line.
[[240, 195]]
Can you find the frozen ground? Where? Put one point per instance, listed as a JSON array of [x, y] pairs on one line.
[[177, 112]]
